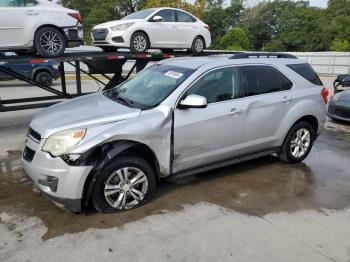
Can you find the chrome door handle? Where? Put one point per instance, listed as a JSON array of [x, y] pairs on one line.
[[235, 111]]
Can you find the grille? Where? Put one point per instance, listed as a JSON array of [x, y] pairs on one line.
[[100, 34], [343, 113], [28, 154], [33, 134]]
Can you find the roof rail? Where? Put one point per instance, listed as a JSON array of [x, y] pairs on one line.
[[262, 54]]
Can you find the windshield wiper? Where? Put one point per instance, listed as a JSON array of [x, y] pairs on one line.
[[124, 101]]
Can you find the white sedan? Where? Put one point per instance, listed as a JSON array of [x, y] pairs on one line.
[[38, 26], [161, 28]]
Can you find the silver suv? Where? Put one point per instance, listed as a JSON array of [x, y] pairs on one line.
[[178, 117]]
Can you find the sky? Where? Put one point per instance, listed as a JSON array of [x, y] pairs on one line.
[[318, 3]]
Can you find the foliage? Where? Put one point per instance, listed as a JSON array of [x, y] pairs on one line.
[[235, 39], [340, 45], [279, 25]]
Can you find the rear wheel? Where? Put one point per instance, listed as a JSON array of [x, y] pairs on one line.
[[49, 42], [126, 183], [139, 43], [198, 45], [298, 143], [44, 77]]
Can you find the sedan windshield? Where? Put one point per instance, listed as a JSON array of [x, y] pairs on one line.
[[140, 14], [149, 87]]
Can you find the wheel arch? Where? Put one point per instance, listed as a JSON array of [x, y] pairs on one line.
[[38, 70], [51, 25], [109, 151], [307, 118], [144, 32]]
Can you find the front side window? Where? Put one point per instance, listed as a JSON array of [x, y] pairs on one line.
[[168, 15], [218, 85], [183, 17], [149, 87], [257, 80], [11, 3]]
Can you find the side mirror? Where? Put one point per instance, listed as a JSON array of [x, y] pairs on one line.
[[193, 101], [157, 18]]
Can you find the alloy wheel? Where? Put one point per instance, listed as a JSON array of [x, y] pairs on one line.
[[140, 43], [199, 45], [51, 42], [126, 188], [300, 142]]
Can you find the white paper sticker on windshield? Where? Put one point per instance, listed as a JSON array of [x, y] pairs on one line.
[[173, 74]]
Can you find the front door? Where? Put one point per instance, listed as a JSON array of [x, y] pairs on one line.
[[212, 134], [164, 33], [17, 18]]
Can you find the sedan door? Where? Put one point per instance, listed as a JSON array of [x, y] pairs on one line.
[[188, 28], [212, 134], [268, 99], [163, 34], [17, 20]]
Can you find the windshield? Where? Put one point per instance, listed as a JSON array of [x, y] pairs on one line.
[[149, 87], [140, 14]]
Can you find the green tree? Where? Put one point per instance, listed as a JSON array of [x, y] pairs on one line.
[[234, 39], [340, 45]]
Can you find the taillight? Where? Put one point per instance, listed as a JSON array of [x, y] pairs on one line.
[[324, 94], [76, 16], [207, 27]]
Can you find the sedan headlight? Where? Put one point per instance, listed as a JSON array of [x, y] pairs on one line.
[[61, 142], [336, 97], [121, 27]]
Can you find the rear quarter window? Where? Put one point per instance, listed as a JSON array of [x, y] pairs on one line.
[[306, 71]]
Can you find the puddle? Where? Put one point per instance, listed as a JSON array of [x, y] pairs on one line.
[[256, 187]]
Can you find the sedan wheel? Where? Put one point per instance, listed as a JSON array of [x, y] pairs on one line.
[[198, 45], [127, 182], [49, 42], [139, 43]]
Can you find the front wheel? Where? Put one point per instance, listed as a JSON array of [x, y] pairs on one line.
[[126, 183], [298, 143], [49, 42], [139, 43]]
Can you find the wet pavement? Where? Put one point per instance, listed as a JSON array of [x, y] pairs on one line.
[[257, 188]]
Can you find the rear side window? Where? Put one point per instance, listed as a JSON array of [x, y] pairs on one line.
[[183, 17], [306, 71], [257, 80]]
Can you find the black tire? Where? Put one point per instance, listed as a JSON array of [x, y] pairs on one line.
[[143, 38], [286, 150], [109, 49], [42, 41], [44, 77], [100, 201], [198, 45]]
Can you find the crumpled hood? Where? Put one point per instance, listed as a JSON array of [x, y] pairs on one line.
[[82, 112], [116, 22], [345, 96]]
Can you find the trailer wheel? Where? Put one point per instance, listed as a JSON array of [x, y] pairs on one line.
[[44, 78], [49, 42]]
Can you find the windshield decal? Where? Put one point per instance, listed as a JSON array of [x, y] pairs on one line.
[[173, 74]]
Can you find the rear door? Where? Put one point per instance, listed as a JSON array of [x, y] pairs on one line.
[[267, 100], [163, 34], [187, 27], [209, 135], [17, 20]]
